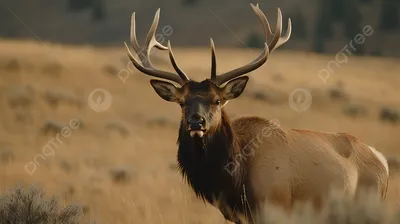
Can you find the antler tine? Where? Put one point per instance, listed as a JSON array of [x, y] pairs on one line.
[[276, 41], [145, 65], [151, 35], [133, 37], [286, 37], [213, 62], [264, 21], [173, 61]]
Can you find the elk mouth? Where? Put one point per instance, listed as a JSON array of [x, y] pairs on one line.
[[198, 132]]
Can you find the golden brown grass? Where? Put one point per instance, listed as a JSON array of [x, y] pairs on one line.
[[79, 168]]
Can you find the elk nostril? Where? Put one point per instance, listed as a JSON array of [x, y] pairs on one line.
[[196, 120]]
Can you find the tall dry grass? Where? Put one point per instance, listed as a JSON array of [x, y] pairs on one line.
[[30, 206], [339, 209]]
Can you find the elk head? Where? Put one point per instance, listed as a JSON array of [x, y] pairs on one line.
[[202, 102]]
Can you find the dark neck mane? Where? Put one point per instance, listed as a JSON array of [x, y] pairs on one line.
[[203, 162]]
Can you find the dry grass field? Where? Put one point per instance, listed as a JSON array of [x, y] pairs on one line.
[[120, 163]]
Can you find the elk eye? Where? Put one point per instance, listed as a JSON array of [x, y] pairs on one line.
[[218, 102]]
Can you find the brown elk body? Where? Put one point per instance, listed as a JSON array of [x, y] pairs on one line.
[[240, 165]]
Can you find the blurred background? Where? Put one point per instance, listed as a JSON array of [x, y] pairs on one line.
[[79, 120], [319, 25]]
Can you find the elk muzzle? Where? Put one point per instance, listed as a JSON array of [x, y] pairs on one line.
[[196, 125]]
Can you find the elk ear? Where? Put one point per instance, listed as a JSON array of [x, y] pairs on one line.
[[234, 88], [166, 90]]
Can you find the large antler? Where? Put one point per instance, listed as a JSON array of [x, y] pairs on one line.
[[144, 54], [276, 42]]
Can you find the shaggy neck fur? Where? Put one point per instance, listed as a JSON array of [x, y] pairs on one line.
[[203, 161]]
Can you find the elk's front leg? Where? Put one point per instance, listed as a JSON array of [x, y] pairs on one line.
[[227, 213], [226, 210]]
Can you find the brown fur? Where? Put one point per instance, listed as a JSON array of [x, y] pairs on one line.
[[266, 164], [296, 165]]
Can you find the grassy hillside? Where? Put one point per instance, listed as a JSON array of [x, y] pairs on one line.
[[121, 163]]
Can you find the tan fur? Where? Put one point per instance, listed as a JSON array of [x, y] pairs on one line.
[[296, 165]]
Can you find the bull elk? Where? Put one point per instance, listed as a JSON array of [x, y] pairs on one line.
[[284, 166]]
